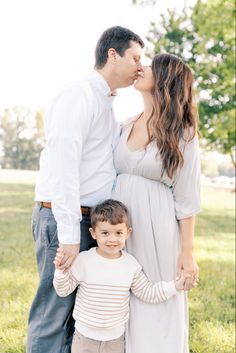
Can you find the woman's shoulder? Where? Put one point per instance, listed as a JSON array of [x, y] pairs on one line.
[[129, 121], [190, 135], [190, 140]]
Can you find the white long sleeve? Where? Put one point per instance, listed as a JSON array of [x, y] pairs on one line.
[[64, 282], [76, 165], [104, 285], [149, 292]]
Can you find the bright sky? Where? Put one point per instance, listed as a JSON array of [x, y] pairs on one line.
[[46, 44]]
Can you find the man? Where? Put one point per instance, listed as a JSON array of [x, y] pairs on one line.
[[76, 172]]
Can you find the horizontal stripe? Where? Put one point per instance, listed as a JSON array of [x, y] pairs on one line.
[[103, 305]]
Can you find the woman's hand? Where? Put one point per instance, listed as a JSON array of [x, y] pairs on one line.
[[188, 265]]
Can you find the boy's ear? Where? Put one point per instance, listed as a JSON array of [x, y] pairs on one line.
[[129, 232], [92, 233]]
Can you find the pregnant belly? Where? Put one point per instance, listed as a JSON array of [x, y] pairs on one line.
[[155, 238], [129, 187]]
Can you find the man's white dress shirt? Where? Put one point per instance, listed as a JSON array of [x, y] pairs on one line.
[[76, 165]]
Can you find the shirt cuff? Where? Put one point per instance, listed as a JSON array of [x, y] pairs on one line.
[[68, 234], [169, 289], [59, 274]]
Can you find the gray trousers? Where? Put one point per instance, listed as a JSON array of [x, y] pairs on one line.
[[82, 344], [50, 325]]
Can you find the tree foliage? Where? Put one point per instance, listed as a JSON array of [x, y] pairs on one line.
[[204, 38], [21, 138]]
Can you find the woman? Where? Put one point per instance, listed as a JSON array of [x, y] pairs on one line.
[[157, 162]]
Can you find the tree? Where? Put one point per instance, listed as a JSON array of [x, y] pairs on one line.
[[204, 38], [21, 138]]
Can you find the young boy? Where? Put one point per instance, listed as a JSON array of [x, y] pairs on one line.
[[105, 276]]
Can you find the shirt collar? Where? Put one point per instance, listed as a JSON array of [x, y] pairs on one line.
[[98, 81]]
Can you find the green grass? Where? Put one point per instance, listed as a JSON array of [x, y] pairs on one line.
[[18, 276], [211, 303]]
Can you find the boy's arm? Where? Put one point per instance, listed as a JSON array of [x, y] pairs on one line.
[[154, 292], [64, 282]]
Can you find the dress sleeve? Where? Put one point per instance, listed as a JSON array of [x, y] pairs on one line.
[[186, 188]]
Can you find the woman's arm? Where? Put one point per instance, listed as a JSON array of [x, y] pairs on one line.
[[186, 260]]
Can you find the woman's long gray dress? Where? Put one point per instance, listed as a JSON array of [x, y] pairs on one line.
[[156, 203]]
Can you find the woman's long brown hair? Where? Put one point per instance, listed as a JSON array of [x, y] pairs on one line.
[[174, 112]]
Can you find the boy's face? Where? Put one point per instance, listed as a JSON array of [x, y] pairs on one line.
[[110, 238]]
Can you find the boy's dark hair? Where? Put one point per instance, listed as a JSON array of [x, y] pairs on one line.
[[117, 38], [111, 211]]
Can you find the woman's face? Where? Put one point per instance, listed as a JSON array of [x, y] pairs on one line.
[[145, 82]]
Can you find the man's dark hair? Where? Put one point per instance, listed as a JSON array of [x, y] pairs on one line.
[[117, 38], [111, 211]]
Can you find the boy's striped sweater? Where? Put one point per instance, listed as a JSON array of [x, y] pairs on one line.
[[102, 300]]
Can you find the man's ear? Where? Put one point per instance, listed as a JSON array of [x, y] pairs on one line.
[[92, 233], [112, 55]]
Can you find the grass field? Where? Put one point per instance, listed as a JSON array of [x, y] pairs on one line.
[[212, 307]]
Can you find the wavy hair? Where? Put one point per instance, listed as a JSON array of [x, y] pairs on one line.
[[174, 112]]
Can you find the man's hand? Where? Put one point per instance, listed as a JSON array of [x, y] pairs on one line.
[[66, 254]]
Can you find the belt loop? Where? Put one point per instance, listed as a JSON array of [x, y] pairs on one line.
[[85, 211]]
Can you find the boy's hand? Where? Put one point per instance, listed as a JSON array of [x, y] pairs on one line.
[[70, 251], [65, 256], [180, 281], [58, 258]]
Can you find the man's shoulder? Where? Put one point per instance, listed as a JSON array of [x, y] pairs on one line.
[[72, 98], [75, 89]]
